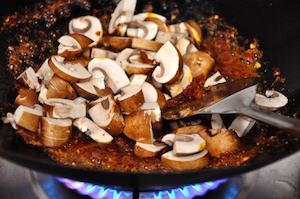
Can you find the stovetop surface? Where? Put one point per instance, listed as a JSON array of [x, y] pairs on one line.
[[278, 180]]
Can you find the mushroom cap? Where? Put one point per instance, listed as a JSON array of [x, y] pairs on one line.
[[188, 162], [63, 108], [131, 98], [272, 100], [28, 117], [86, 90], [26, 97], [138, 127], [144, 44], [73, 72], [122, 14], [55, 128], [171, 65], [89, 26], [147, 150], [60, 88], [185, 144], [116, 77]]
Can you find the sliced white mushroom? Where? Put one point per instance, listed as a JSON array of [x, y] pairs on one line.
[[98, 53], [216, 78], [186, 79], [153, 110], [85, 89], [179, 28], [59, 88], [73, 72], [144, 44], [131, 98], [107, 114], [138, 79], [152, 94], [88, 26], [272, 100], [45, 73], [163, 37], [170, 65], [138, 127], [147, 150], [29, 79], [142, 29], [72, 45], [168, 139], [186, 144], [182, 45], [241, 125], [63, 108], [55, 132], [116, 78], [194, 31], [28, 117], [147, 15], [136, 68], [153, 17], [116, 43], [122, 15], [188, 162], [216, 121], [91, 129]]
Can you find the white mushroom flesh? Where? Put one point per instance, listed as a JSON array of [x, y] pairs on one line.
[[185, 144]]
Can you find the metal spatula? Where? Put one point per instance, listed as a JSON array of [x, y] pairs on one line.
[[233, 97]]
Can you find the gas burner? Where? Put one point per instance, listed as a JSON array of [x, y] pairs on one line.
[[99, 192]]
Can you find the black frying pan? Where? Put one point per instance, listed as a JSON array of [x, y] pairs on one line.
[[274, 23]]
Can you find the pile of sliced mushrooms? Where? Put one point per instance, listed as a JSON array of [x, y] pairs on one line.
[[109, 85]]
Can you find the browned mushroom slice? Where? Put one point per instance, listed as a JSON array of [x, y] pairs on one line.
[[116, 43], [55, 132], [45, 73], [200, 63], [107, 114], [138, 79], [86, 90], [152, 94], [88, 26], [187, 144], [170, 65], [138, 127], [28, 117], [26, 97], [147, 150], [115, 77], [73, 72], [131, 98], [178, 87], [63, 108], [142, 29], [122, 15], [153, 110], [188, 162], [154, 17], [29, 79], [98, 53], [60, 88], [91, 129], [72, 45], [179, 28], [144, 44], [194, 31], [220, 141]]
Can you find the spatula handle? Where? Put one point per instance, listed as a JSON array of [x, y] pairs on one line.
[[292, 125]]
